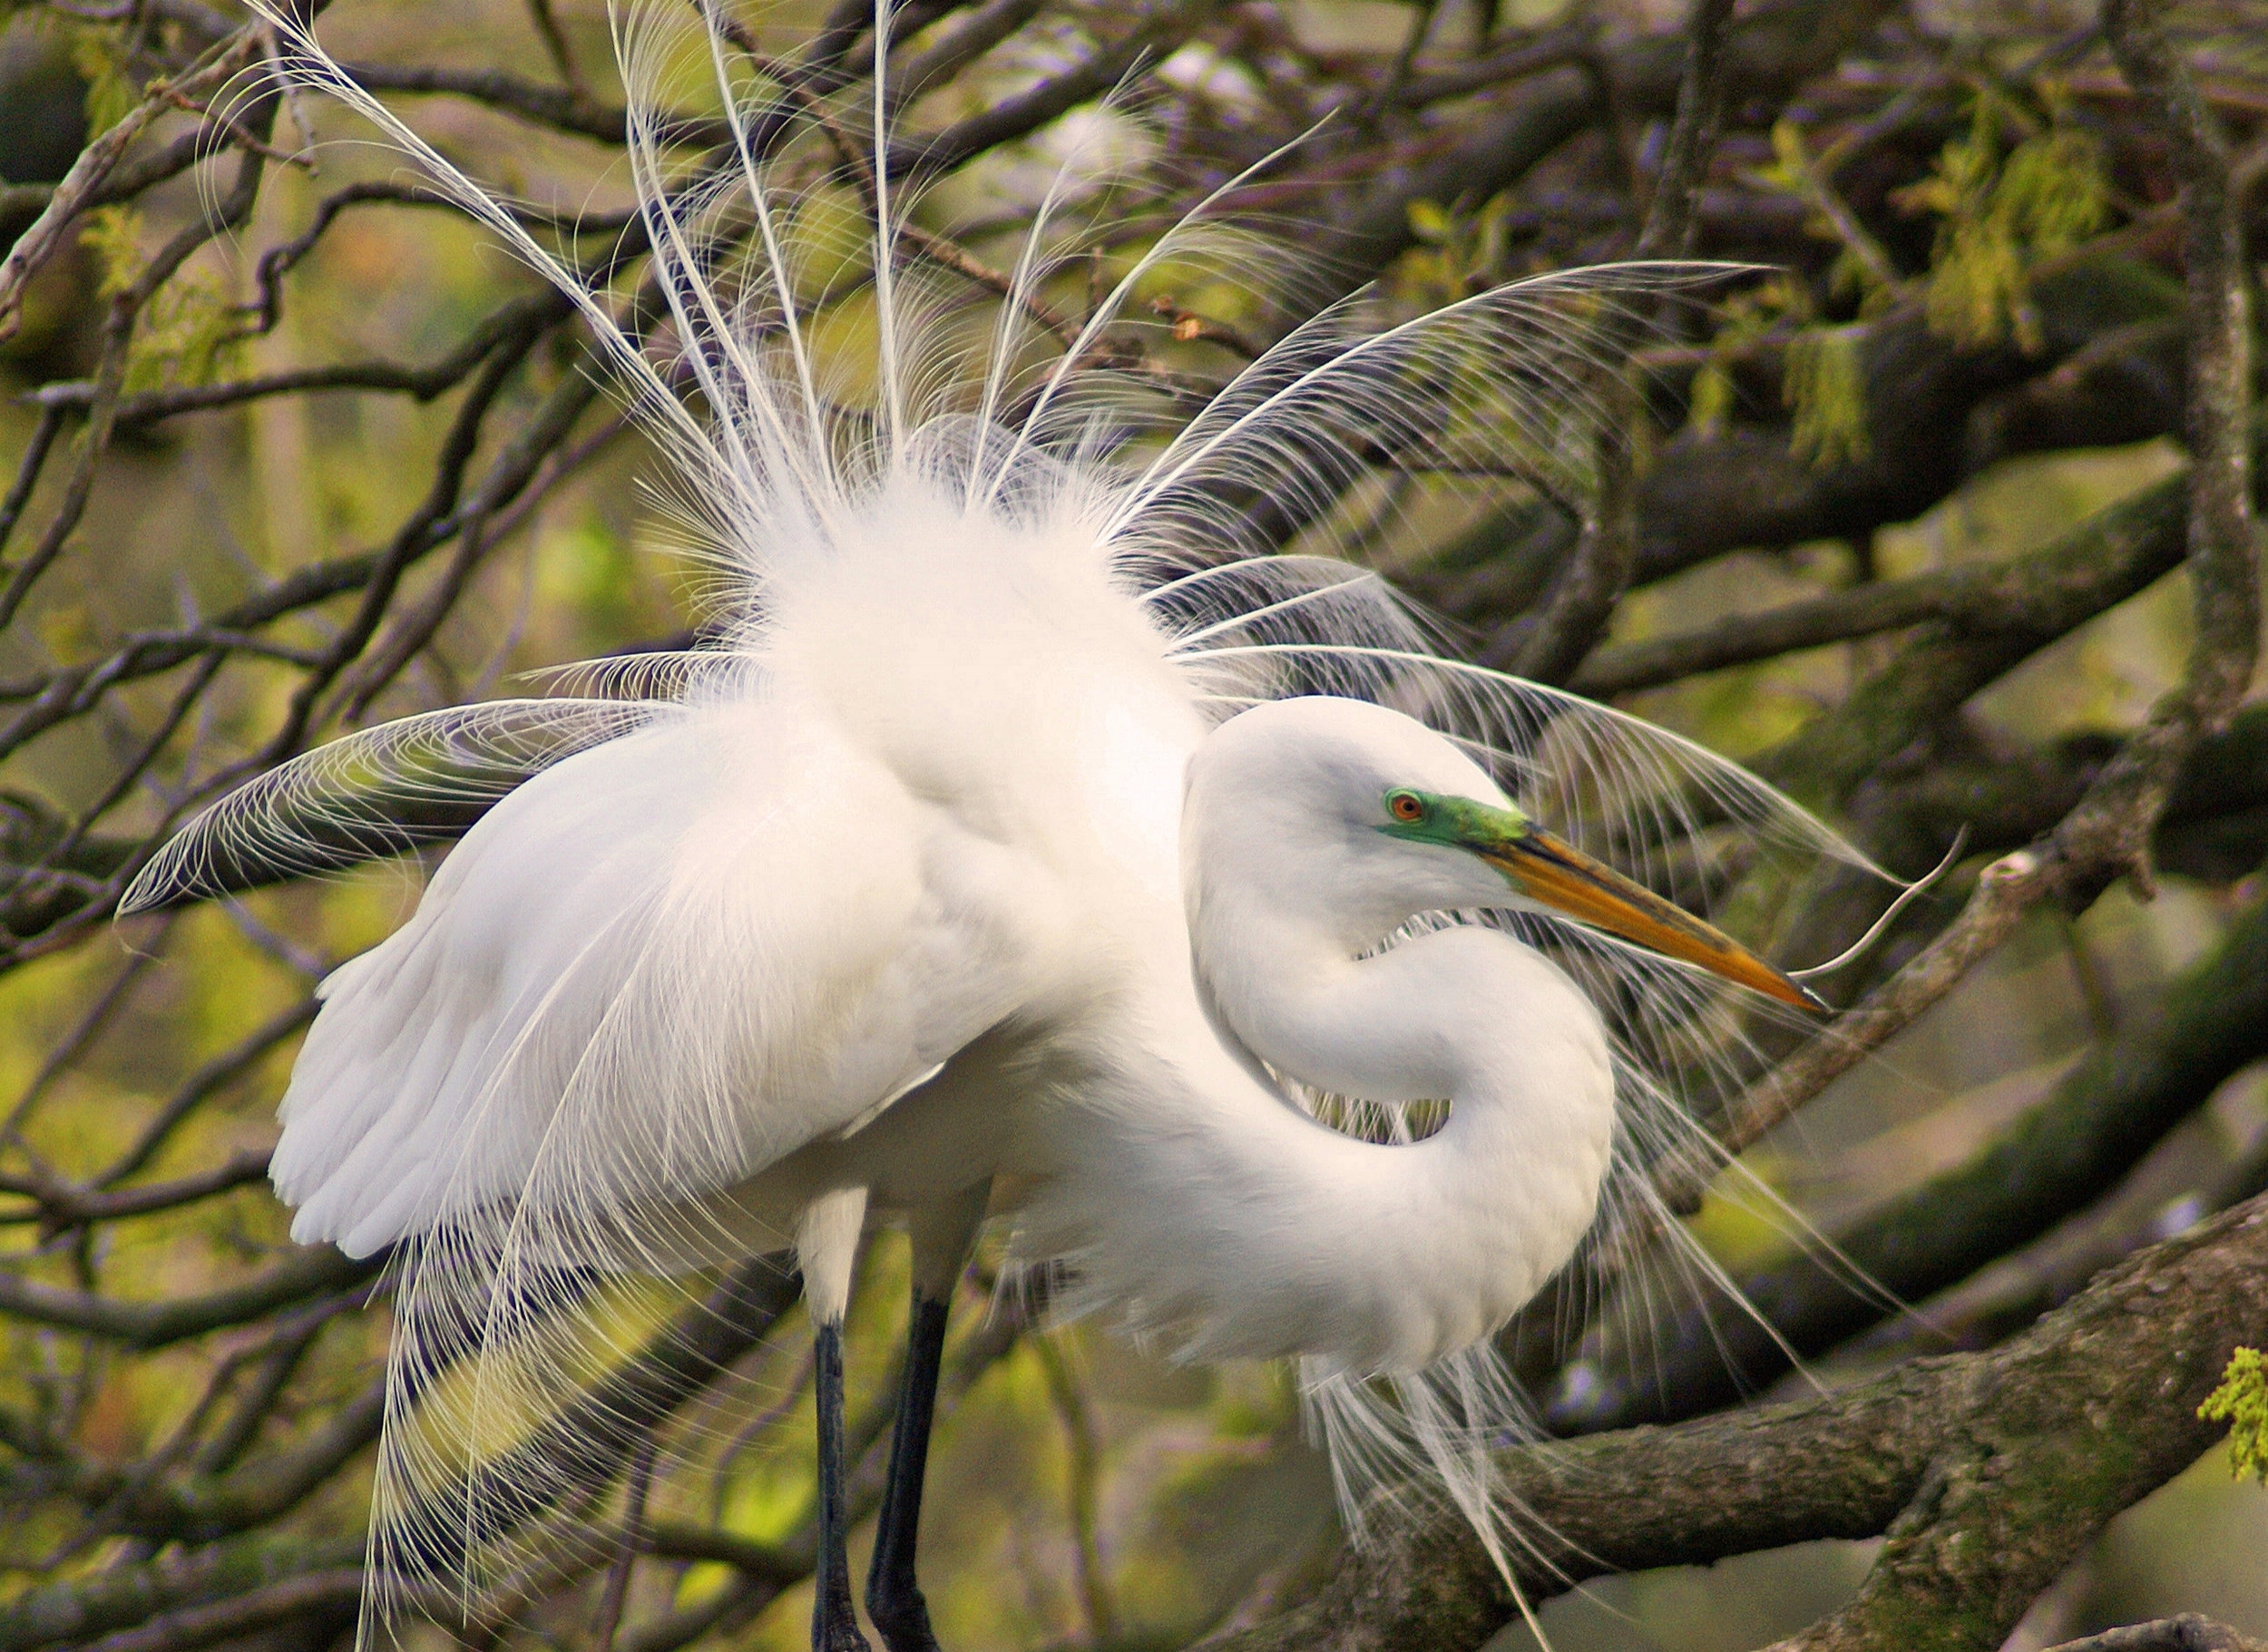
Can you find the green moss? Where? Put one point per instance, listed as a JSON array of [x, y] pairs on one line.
[[1747, 318], [1822, 381], [1458, 254]]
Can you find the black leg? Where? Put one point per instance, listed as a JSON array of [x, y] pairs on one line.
[[893, 1600], [833, 1620]]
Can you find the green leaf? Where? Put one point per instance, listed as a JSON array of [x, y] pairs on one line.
[[1825, 384], [2242, 1402], [1429, 221], [99, 56], [2001, 217]]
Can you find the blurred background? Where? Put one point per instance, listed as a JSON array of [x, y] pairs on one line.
[[287, 449]]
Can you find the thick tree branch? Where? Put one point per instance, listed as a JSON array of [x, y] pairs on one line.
[[2026, 1449], [2147, 532], [2106, 559], [2109, 834], [82, 1610], [1767, 54], [1708, 493]]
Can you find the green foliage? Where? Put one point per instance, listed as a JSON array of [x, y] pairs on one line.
[[1458, 254], [2002, 214], [113, 235], [1792, 170], [98, 55], [189, 330], [2242, 1402], [1822, 381], [1748, 317]]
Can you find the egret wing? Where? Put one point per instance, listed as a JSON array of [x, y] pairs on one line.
[[655, 968], [378, 793]]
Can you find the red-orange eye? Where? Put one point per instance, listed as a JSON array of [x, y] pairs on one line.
[[1404, 805]]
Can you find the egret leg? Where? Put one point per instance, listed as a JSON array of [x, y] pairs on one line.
[[893, 1599], [826, 1244], [941, 1234], [833, 1620]]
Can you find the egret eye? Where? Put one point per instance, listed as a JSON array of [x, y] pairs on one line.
[[1406, 805]]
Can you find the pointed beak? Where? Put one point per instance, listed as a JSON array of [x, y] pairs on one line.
[[1557, 875]]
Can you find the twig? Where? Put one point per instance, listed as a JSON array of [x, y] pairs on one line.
[[950, 255], [971, 38], [1154, 37], [333, 1592], [1552, 50], [92, 169], [565, 107], [154, 1324], [1189, 327], [57, 1207], [68, 1049], [617, 1591], [412, 631], [1669, 215], [1581, 602], [207, 1080], [1390, 89], [555, 42], [1079, 1430], [27, 471], [1813, 180]]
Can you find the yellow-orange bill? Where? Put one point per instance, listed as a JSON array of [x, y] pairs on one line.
[[1557, 875]]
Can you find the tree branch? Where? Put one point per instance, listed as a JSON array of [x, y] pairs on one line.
[[2189, 1632], [2088, 1411], [305, 1272]]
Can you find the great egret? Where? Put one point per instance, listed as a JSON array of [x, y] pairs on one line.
[[1030, 842]]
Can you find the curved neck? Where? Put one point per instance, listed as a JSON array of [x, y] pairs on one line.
[[1287, 1237]]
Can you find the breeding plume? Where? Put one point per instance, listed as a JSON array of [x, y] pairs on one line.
[[1033, 839]]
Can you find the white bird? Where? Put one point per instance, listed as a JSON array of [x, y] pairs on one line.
[[1029, 845]]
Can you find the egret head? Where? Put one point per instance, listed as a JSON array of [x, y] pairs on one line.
[[1344, 810]]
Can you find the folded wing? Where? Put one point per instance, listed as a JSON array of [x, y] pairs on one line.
[[655, 968]]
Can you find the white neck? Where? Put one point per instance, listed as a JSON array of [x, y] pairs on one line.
[[1262, 1232]]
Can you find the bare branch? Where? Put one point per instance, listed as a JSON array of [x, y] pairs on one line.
[[152, 1324]]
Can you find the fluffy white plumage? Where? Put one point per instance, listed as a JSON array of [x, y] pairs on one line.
[[946, 875]]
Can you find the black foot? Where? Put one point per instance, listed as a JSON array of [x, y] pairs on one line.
[[903, 1624], [833, 1634]]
